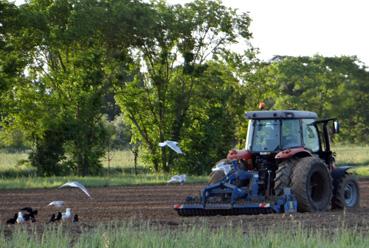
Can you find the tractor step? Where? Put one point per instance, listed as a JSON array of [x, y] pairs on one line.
[[222, 209]]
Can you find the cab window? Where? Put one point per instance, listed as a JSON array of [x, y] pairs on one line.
[[310, 135], [266, 135], [291, 134]]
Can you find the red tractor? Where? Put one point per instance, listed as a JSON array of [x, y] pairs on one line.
[[287, 165]]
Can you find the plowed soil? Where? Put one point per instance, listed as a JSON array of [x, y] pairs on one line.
[[155, 204]]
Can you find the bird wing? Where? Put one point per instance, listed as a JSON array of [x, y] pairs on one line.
[[56, 203], [76, 185], [11, 221], [27, 209], [183, 178], [174, 146], [176, 179], [171, 181], [27, 217], [52, 218]]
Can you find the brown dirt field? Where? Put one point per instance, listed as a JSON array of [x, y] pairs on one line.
[[155, 204]]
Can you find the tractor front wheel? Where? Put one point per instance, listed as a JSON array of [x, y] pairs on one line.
[[346, 192], [311, 183]]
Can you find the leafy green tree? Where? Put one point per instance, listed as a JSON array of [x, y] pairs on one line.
[[330, 86], [159, 95], [12, 62], [66, 45], [213, 120]]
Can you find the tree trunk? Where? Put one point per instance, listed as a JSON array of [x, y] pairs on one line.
[[135, 154], [164, 159], [170, 161], [156, 164], [135, 150]]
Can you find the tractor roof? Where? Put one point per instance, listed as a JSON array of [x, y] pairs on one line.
[[281, 114]]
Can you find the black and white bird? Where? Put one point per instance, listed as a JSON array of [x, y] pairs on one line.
[[12, 220], [57, 204], [76, 185], [30, 212], [172, 145], [30, 215], [20, 218], [55, 218], [177, 179], [67, 214]]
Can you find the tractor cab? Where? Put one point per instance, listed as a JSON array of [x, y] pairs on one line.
[[286, 133], [275, 131]]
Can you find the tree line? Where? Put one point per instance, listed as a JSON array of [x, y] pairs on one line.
[[80, 77]]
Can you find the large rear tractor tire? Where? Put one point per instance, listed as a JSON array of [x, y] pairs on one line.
[[283, 176], [346, 192], [311, 183]]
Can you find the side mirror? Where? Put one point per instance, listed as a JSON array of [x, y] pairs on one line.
[[336, 127]]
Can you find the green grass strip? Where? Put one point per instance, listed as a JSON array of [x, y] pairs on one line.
[[144, 235]]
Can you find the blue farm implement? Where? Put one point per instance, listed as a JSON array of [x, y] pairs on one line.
[[226, 198], [287, 166]]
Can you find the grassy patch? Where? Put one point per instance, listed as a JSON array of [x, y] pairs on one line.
[[143, 235], [356, 156], [362, 171], [118, 159], [12, 161], [120, 172], [352, 155]]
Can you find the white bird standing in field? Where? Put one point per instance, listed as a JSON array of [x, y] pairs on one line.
[[76, 185], [20, 218], [172, 145], [178, 179], [67, 214], [57, 204]]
